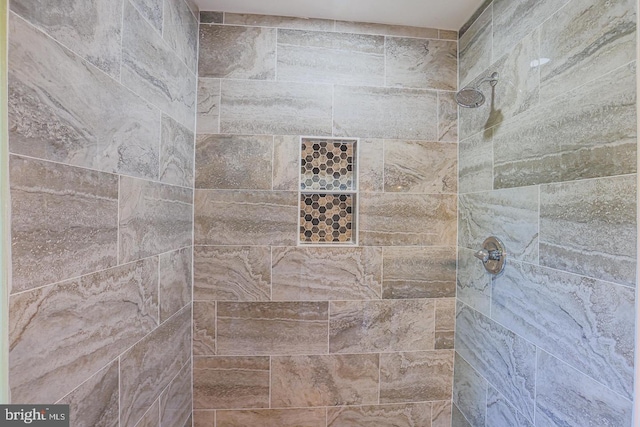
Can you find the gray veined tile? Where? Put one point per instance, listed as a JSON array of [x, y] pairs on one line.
[[403, 376], [152, 417], [475, 163], [448, 35], [245, 217], [503, 358], [208, 114], [326, 273], [585, 40], [148, 367], [278, 21], [176, 399], [588, 227], [231, 382], [392, 113], [385, 29], [326, 57], [175, 282], [64, 110], [235, 52], [475, 48], [194, 8], [324, 380], [447, 117], [513, 20], [586, 323], [64, 222], [300, 417], [180, 30], [152, 69], [234, 162], [363, 326], [419, 272], [501, 413], [420, 167], [457, 418], [517, 89], [469, 392], [98, 316], [154, 218], [473, 282], [389, 415], [509, 214], [151, 10], [420, 63], [586, 133], [269, 328], [90, 29], [176, 153], [261, 107], [567, 397], [96, 402], [237, 273]]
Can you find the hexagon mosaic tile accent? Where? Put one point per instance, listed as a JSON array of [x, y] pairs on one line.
[[326, 218], [328, 165]]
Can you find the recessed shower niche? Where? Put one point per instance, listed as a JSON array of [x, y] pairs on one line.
[[328, 191]]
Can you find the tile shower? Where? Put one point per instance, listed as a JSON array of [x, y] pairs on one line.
[[158, 256]]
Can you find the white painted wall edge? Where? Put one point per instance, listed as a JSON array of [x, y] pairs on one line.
[[5, 237]]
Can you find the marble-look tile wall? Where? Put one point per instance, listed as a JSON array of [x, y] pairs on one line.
[[293, 336], [102, 100], [548, 164]]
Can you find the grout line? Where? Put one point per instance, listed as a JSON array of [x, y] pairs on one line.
[[121, 40], [119, 392], [270, 379], [535, 386]]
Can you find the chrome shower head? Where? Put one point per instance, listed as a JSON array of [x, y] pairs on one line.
[[471, 96]]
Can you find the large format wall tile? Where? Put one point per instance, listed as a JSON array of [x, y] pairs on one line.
[[175, 282], [415, 272], [205, 418], [385, 29], [323, 57], [566, 397], [503, 358], [420, 167], [180, 30], [475, 48], [64, 222], [312, 417], [509, 214], [237, 52], [95, 402], [152, 417], [154, 218], [447, 117], [250, 107], [232, 273], [363, 326], [586, 133], [586, 40], [385, 113], [516, 91], [176, 153], [176, 399], [458, 419], [513, 20], [469, 392], [272, 328], [501, 413], [86, 322], [286, 162], [441, 413], [152, 70], [586, 323], [475, 163], [392, 415], [419, 63], [473, 282], [82, 117], [416, 376], [151, 10], [371, 167], [589, 227], [231, 382], [445, 323], [234, 162], [245, 218], [92, 30], [407, 219], [204, 328], [333, 380], [150, 365], [278, 21], [208, 108], [326, 273]]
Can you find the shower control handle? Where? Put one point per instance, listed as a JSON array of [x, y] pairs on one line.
[[492, 255]]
